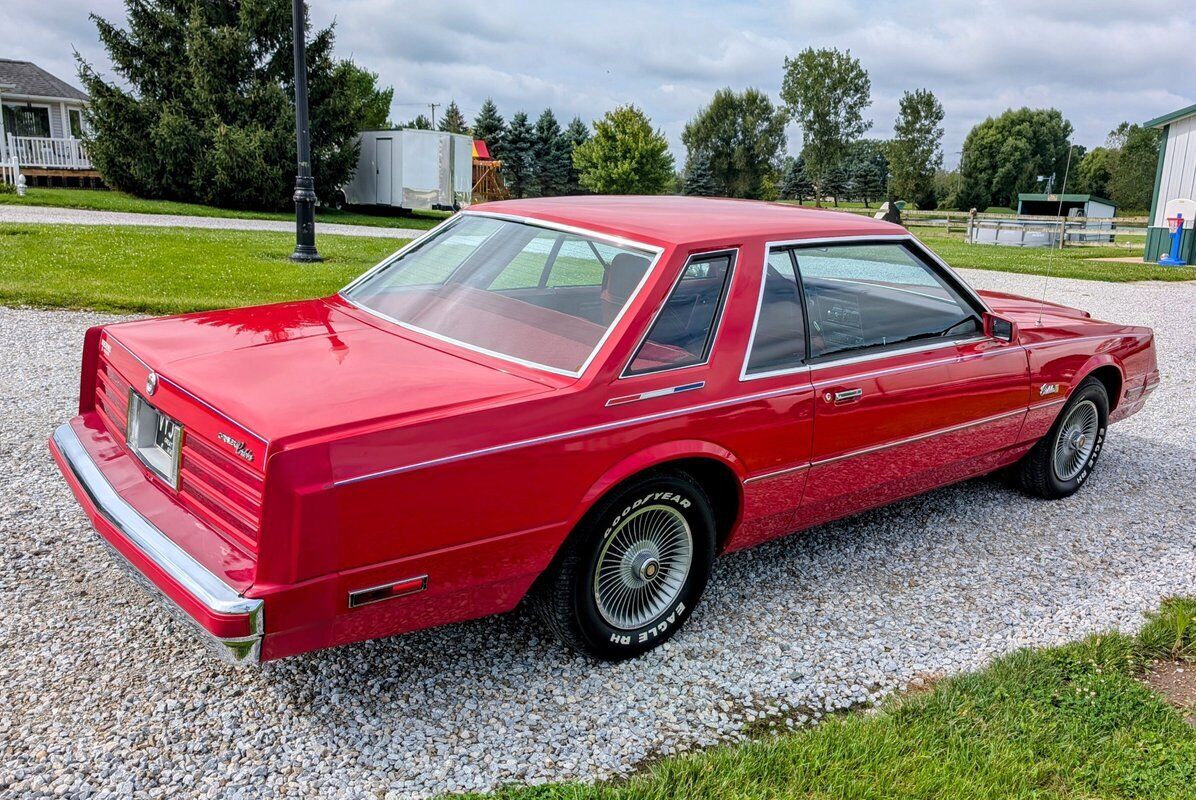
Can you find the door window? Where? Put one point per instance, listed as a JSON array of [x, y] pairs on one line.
[[877, 295], [684, 329], [779, 335], [76, 117]]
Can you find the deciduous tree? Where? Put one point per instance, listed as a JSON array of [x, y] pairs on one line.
[[420, 123], [625, 155], [915, 151], [204, 108], [826, 93], [742, 136], [1131, 183], [1005, 155]]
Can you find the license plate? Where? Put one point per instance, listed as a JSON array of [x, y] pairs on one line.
[[155, 438]]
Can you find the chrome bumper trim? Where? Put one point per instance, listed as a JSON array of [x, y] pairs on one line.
[[193, 577]]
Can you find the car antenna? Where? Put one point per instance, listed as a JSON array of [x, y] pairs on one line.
[[1046, 279]]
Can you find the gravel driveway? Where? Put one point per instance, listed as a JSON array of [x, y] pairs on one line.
[[98, 694]]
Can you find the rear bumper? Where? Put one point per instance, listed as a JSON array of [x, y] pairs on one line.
[[231, 623]]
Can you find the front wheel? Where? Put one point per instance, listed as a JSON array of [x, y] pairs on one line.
[[634, 569], [1063, 459]]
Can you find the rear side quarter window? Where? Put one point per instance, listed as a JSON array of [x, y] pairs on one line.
[[683, 331]]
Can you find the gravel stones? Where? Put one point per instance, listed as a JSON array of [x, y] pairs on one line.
[[101, 696]]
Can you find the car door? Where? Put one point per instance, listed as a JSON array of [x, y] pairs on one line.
[[909, 392]]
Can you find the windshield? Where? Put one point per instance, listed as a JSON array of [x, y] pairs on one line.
[[536, 295]]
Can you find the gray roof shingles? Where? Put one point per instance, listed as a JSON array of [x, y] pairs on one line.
[[30, 79]]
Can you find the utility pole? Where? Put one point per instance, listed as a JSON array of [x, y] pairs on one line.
[[433, 107], [305, 185]]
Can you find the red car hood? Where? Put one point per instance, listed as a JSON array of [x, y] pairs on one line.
[[296, 368], [1020, 308]]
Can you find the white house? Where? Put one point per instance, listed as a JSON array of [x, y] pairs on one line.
[[42, 124]]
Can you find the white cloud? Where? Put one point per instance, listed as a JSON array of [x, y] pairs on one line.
[[1100, 63]]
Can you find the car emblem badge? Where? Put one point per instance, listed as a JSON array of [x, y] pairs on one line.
[[240, 447], [151, 383], [1048, 388]]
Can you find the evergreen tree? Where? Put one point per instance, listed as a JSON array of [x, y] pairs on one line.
[[421, 122], [453, 120], [834, 183], [868, 183], [578, 134], [518, 156], [699, 177], [204, 109], [796, 183], [553, 155], [490, 127]]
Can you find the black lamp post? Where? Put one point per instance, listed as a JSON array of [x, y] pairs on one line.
[[305, 186]]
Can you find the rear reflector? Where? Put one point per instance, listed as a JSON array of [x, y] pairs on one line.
[[375, 594]]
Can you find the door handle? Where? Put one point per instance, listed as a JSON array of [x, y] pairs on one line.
[[844, 396]]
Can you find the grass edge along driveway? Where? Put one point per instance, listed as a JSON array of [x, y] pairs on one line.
[[171, 270], [1068, 722], [175, 270], [108, 200]]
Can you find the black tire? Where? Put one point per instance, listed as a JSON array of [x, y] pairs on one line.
[[567, 599], [1039, 473], [339, 201]]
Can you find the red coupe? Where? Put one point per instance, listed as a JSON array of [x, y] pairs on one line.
[[580, 401]]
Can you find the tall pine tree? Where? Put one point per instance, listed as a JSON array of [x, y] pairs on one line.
[[553, 157], [578, 134], [518, 156], [699, 177], [490, 127], [453, 120], [795, 185], [204, 108]]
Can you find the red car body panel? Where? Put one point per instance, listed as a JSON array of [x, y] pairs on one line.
[[371, 453]]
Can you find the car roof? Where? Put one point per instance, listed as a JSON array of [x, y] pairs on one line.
[[677, 220]]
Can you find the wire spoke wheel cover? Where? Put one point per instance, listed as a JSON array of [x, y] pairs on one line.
[[1076, 440], [643, 566]]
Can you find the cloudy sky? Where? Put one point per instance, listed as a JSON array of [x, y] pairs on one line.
[[1100, 62]]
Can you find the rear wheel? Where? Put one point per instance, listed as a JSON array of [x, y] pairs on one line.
[[1063, 459], [634, 569]]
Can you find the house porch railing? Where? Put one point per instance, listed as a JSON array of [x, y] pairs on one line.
[[44, 152]]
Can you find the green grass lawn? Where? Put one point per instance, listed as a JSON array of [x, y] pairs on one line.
[[170, 270], [1067, 723], [1070, 262], [104, 200]]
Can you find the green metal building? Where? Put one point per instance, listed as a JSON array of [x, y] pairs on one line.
[[1175, 178]]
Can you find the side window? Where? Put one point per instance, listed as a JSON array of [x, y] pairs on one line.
[[779, 335], [875, 295], [684, 329]]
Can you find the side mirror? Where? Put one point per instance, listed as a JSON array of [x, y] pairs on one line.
[[999, 328]]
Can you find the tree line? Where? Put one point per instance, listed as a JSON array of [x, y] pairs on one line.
[[204, 113]]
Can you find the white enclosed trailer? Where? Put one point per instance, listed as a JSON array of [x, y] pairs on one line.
[[412, 169]]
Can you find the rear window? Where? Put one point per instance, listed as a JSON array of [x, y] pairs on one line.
[[528, 293]]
